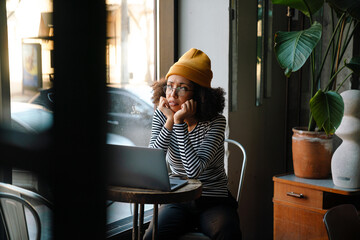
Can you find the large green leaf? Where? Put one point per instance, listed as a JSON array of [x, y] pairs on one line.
[[308, 7], [350, 6], [354, 65], [292, 49], [327, 109]]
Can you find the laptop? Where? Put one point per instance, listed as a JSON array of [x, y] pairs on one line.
[[140, 167]]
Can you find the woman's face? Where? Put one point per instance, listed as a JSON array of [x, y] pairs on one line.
[[178, 91]]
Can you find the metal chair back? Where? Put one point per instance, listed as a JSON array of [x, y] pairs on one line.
[[14, 203], [200, 236], [342, 222]]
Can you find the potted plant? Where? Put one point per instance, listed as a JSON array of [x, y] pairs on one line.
[[292, 50]]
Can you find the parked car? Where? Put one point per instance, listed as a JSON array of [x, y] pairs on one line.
[[128, 115], [30, 118], [33, 118]]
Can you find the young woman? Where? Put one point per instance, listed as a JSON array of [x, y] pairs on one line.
[[188, 125]]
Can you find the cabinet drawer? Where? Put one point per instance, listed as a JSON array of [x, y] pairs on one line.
[[292, 223], [298, 195]]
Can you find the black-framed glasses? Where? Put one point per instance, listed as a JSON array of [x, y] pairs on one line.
[[180, 91]]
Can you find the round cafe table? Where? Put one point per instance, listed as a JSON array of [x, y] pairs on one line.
[[191, 191]]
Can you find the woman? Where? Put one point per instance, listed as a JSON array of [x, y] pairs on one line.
[[188, 125]]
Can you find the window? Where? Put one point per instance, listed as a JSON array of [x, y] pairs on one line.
[[130, 73], [130, 61], [30, 46]]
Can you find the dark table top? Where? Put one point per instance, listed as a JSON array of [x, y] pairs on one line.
[[190, 191]]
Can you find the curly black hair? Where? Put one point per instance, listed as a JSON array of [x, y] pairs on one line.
[[210, 101]]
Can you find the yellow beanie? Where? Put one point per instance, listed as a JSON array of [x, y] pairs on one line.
[[194, 65]]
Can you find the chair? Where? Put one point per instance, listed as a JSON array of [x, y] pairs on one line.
[[342, 222], [24, 214], [194, 235]]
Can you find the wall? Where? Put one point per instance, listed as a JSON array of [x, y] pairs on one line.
[[209, 31], [205, 24], [260, 129]]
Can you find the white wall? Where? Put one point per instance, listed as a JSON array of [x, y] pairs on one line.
[[204, 25]]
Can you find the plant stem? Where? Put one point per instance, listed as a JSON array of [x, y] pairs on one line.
[[312, 60], [347, 36], [328, 49], [337, 90], [338, 50], [312, 123], [348, 41], [310, 13], [330, 83]]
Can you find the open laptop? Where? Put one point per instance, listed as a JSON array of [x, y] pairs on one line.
[[140, 167]]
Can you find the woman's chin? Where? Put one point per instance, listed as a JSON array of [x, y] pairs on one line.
[[175, 108]]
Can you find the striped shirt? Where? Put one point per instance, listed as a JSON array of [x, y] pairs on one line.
[[197, 154]]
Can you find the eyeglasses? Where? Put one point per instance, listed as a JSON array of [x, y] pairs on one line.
[[180, 91]]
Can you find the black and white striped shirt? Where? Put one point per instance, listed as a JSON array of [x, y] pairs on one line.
[[197, 154]]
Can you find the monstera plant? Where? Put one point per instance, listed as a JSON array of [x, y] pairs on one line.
[[294, 48]]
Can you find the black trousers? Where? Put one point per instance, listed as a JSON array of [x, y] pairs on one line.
[[215, 217]]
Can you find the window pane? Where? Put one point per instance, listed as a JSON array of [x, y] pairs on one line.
[[30, 33], [130, 69], [130, 72], [30, 44]]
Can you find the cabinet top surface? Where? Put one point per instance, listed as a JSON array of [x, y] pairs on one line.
[[326, 185]]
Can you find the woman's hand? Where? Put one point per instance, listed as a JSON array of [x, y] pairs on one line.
[[165, 109], [187, 111], [169, 114]]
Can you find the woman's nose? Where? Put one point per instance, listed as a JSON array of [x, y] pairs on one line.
[[173, 93]]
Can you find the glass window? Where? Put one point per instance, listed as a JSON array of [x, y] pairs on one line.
[[130, 62], [130, 73], [30, 42], [130, 69], [30, 45]]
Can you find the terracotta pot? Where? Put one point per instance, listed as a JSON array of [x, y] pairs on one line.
[[312, 152]]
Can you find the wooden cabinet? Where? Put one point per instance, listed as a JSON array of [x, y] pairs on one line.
[[300, 205]]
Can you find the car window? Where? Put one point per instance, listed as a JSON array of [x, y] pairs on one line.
[[120, 103]]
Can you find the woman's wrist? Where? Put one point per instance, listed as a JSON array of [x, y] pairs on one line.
[[178, 120], [169, 123]]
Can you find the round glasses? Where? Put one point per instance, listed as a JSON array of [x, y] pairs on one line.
[[180, 91]]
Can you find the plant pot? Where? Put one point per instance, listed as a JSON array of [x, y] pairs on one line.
[[312, 152]]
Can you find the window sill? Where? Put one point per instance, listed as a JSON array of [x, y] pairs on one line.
[[122, 229]]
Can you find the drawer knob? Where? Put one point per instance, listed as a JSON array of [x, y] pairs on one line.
[[297, 195]]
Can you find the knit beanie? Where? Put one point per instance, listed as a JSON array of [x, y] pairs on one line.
[[194, 65]]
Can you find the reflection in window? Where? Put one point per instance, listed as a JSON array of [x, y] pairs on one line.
[[30, 41], [263, 50], [130, 68], [130, 72], [259, 52]]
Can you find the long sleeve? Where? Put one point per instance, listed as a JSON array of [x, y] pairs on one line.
[[160, 136]]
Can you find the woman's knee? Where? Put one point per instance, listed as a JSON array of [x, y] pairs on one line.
[[173, 219], [221, 222]]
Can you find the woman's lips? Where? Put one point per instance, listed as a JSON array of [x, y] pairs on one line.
[[172, 103]]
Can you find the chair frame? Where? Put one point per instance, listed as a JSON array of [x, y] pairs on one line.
[[200, 236], [24, 203], [342, 222], [19, 195], [243, 167]]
